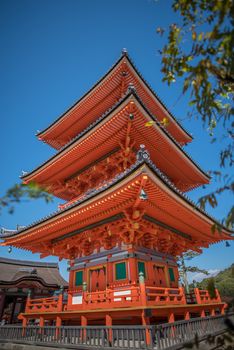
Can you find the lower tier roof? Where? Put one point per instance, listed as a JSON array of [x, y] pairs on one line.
[[137, 206]]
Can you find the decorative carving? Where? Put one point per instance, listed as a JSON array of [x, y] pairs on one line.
[[95, 175]]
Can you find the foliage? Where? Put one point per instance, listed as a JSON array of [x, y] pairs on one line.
[[211, 287], [21, 192], [201, 51], [183, 269], [224, 282]]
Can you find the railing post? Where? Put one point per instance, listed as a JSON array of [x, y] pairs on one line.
[[218, 298], [197, 295], [84, 293], [182, 293], [142, 288], [60, 302]]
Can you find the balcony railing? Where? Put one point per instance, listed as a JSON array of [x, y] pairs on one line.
[[53, 304], [121, 296], [203, 296]]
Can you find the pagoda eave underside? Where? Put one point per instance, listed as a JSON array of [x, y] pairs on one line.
[[106, 136], [100, 98], [157, 221]]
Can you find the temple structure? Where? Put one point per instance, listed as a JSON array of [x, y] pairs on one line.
[[18, 278], [123, 172]]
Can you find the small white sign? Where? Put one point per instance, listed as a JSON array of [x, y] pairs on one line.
[[122, 293], [77, 299]]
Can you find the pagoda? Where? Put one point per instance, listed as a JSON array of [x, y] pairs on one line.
[[126, 216]]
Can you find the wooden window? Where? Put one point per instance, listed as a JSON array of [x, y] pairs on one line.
[[79, 278], [141, 267], [171, 274], [120, 271]]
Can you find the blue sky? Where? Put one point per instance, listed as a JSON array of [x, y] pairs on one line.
[[52, 52]]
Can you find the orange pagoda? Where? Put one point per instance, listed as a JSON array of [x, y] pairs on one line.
[[126, 218]]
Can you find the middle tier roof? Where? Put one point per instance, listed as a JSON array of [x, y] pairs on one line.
[[103, 136]]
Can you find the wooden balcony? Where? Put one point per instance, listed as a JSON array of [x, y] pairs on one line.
[[203, 297], [53, 304], [125, 296]]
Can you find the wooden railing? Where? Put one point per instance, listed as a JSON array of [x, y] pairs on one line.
[[44, 304], [126, 297], [123, 296], [163, 336], [156, 295], [203, 296]]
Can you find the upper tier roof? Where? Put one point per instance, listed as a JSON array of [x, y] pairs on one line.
[[164, 205], [104, 95], [104, 135]]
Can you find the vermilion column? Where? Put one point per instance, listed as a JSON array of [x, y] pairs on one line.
[[203, 313], [212, 312], [41, 322], [24, 325], [84, 323], [132, 267], [109, 271], [58, 325], [109, 324], [171, 318], [146, 322]]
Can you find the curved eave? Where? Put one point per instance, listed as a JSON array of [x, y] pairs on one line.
[[29, 279], [202, 177], [122, 189], [184, 135]]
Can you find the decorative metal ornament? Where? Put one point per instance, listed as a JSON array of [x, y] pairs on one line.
[[143, 195]]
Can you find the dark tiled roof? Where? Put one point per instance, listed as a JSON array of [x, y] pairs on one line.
[[12, 270]]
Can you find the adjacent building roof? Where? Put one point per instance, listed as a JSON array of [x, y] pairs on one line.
[[14, 271]]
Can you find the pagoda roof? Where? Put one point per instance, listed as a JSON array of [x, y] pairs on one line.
[[14, 271], [165, 205], [103, 135], [101, 97]]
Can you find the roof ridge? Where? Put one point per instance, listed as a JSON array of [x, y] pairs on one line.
[[27, 262], [84, 95], [123, 54], [156, 95]]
